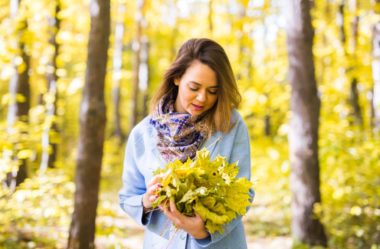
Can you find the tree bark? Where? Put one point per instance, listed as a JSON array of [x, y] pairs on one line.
[[244, 49], [354, 92], [267, 125], [340, 21], [175, 31], [117, 74], [354, 100], [19, 91], [144, 74], [136, 63], [50, 147], [210, 17], [92, 126], [376, 76], [304, 124]]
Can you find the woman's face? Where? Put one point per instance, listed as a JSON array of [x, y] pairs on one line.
[[197, 89]]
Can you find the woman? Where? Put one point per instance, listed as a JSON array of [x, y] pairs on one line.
[[193, 108]]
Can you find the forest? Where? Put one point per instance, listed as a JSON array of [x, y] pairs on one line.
[[77, 76]]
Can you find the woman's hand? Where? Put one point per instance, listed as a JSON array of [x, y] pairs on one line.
[[150, 196], [192, 225]]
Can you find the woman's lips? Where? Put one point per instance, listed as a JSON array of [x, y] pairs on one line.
[[198, 107]]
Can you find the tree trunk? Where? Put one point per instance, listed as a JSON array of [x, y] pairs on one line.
[[354, 93], [144, 74], [92, 126], [244, 50], [175, 31], [340, 22], [50, 147], [354, 100], [267, 125], [304, 123], [136, 63], [117, 74], [18, 110], [376, 77], [210, 17]]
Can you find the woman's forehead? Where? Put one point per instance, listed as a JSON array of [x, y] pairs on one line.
[[201, 74]]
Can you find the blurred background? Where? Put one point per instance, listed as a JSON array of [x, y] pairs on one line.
[[43, 60]]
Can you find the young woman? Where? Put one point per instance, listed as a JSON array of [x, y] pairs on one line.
[[193, 108]]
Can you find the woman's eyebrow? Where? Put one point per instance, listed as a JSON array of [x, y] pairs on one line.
[[199, 84]]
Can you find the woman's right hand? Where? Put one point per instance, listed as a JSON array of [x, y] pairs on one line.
[[150, 196]]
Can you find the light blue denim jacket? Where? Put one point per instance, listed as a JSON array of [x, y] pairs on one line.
[[142, 158]]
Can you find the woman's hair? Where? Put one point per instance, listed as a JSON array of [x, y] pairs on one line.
[[213, 55]]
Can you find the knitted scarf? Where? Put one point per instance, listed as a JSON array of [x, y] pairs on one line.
[[180, 135]]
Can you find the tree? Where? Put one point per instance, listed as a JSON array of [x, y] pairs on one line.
[[92, 126], [210, 16], [376, 77], [144, 74], [304, 124], [175, 30], [354, 93], [137, 44], [49, 153], [19, 91], [117, 68]]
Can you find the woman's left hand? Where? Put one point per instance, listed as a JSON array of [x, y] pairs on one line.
[[192, 225]]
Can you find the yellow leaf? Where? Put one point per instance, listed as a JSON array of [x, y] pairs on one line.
[[24, 154]]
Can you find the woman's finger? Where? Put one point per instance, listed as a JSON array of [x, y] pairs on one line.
[[173, 208], [172, 214], [152, 198], [153, 189], [154, 180], [166, 211], [198, 217]]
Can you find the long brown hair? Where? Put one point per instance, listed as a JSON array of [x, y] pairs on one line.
[[213, 55]]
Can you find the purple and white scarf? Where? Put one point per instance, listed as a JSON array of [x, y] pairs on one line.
[[180, 135]]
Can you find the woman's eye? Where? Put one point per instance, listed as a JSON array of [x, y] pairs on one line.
[[193, 89], [213, 92]]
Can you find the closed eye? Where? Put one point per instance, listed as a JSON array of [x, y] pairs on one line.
[[193, 89]]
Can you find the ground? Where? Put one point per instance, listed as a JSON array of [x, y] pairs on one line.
[[134, 236]]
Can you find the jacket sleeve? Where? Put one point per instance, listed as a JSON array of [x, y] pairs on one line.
[[240, 152], [130, 195]]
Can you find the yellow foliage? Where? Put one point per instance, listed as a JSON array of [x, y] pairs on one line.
[[208, 187]]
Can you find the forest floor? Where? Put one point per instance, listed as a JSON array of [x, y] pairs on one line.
[[133, 235], [134, 239], [266, 226]]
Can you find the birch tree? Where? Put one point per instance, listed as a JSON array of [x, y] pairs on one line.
[[304, 125], [49, 147], [117, 70], [19, 92], [376, 76]]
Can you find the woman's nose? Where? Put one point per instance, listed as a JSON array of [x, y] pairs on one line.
[[201, 97]]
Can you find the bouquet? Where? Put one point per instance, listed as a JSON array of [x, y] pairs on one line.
[[208, 187]]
